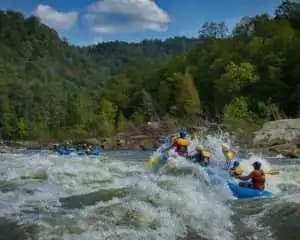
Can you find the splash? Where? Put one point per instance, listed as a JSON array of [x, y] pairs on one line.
[[112, 197]]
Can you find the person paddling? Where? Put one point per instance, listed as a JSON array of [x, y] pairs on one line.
[[257, 177], [201, 156], [236, 170], [181, 144], [229, 156]]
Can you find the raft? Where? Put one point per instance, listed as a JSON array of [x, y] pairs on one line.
[[79, 152], [244, 192]]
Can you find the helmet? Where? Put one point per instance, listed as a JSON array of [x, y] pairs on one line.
[[236, 164], [199, 148], [182, 134], [225, 147], [256, 165]]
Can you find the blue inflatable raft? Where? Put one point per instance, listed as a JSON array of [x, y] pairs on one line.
[[80, 152], [244, 192]]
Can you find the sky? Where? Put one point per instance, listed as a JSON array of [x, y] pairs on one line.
[[85, 22]]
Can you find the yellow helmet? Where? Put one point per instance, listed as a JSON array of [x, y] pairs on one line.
[[229, 155], [199, 148], [225, 148]]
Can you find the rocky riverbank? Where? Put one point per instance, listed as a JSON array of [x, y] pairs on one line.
[[276, 137], [145, 137], [280, 137]]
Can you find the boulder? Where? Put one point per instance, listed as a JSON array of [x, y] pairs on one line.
[[282, 136], [91, 141], [289, 149]]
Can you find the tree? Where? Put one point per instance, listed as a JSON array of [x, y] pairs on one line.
[[73, 116], [235, 78], [213, 30], [164, 94], [239, 119], [289, 10], [121, 122], [106, 117], [252, 26], [119, 91], [188, 101]]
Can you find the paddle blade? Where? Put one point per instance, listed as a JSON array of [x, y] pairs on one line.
[[152, 161], [273, 172]]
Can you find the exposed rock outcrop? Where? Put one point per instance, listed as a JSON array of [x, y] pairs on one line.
[[281, 136]]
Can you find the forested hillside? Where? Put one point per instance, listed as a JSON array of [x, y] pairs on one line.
[[49, 89], [242, 79], [52, 90]]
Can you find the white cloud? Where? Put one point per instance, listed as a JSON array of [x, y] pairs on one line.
[[111, 16], [54, 18]]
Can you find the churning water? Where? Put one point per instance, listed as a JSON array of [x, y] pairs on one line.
[[49, 197]]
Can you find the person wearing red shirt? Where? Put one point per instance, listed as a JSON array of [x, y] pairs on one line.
[[180, 144], [257, 177]]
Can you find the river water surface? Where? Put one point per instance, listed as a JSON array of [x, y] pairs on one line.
[[49, 197]]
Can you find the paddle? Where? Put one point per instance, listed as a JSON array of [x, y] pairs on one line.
[[273, 172], [161, 153]]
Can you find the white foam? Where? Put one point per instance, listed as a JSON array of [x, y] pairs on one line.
[[163, 206]]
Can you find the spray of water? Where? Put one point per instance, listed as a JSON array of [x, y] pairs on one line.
[[113, 197]]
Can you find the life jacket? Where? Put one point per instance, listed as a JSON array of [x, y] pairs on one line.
[[202, 156], [206, 154], [229, 155], [238, 171], [182, 145], [258, 179]]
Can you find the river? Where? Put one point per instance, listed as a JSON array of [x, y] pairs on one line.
[[49, 197]]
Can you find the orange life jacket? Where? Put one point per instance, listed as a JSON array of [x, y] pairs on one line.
[[182, 145], [258, 179]]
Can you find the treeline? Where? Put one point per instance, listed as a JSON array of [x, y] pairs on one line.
[[52, 90], [118, 55]]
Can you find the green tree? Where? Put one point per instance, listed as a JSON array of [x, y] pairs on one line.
[[240, 119], [107, 117], [213, 30], [188, 101], [121, 122], [289, 10], [164, 95], [119, 91], [236, 78]]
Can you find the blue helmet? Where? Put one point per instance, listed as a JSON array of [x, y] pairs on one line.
[[236, 164], [182, 134]]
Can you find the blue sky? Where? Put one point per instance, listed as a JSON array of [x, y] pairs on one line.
[[85, 22]]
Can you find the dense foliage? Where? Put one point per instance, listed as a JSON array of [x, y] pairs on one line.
[[255, 69], [49, 89]]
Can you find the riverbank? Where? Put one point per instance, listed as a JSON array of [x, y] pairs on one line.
[[274, 138], [144, 137]]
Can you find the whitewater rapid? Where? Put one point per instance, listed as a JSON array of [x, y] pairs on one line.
[[46, 196]]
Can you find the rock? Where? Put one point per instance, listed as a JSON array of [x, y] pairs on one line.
[[289, 149], [282, 136], [154, 125], [91, 141], [4, 149], [278, 132]]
